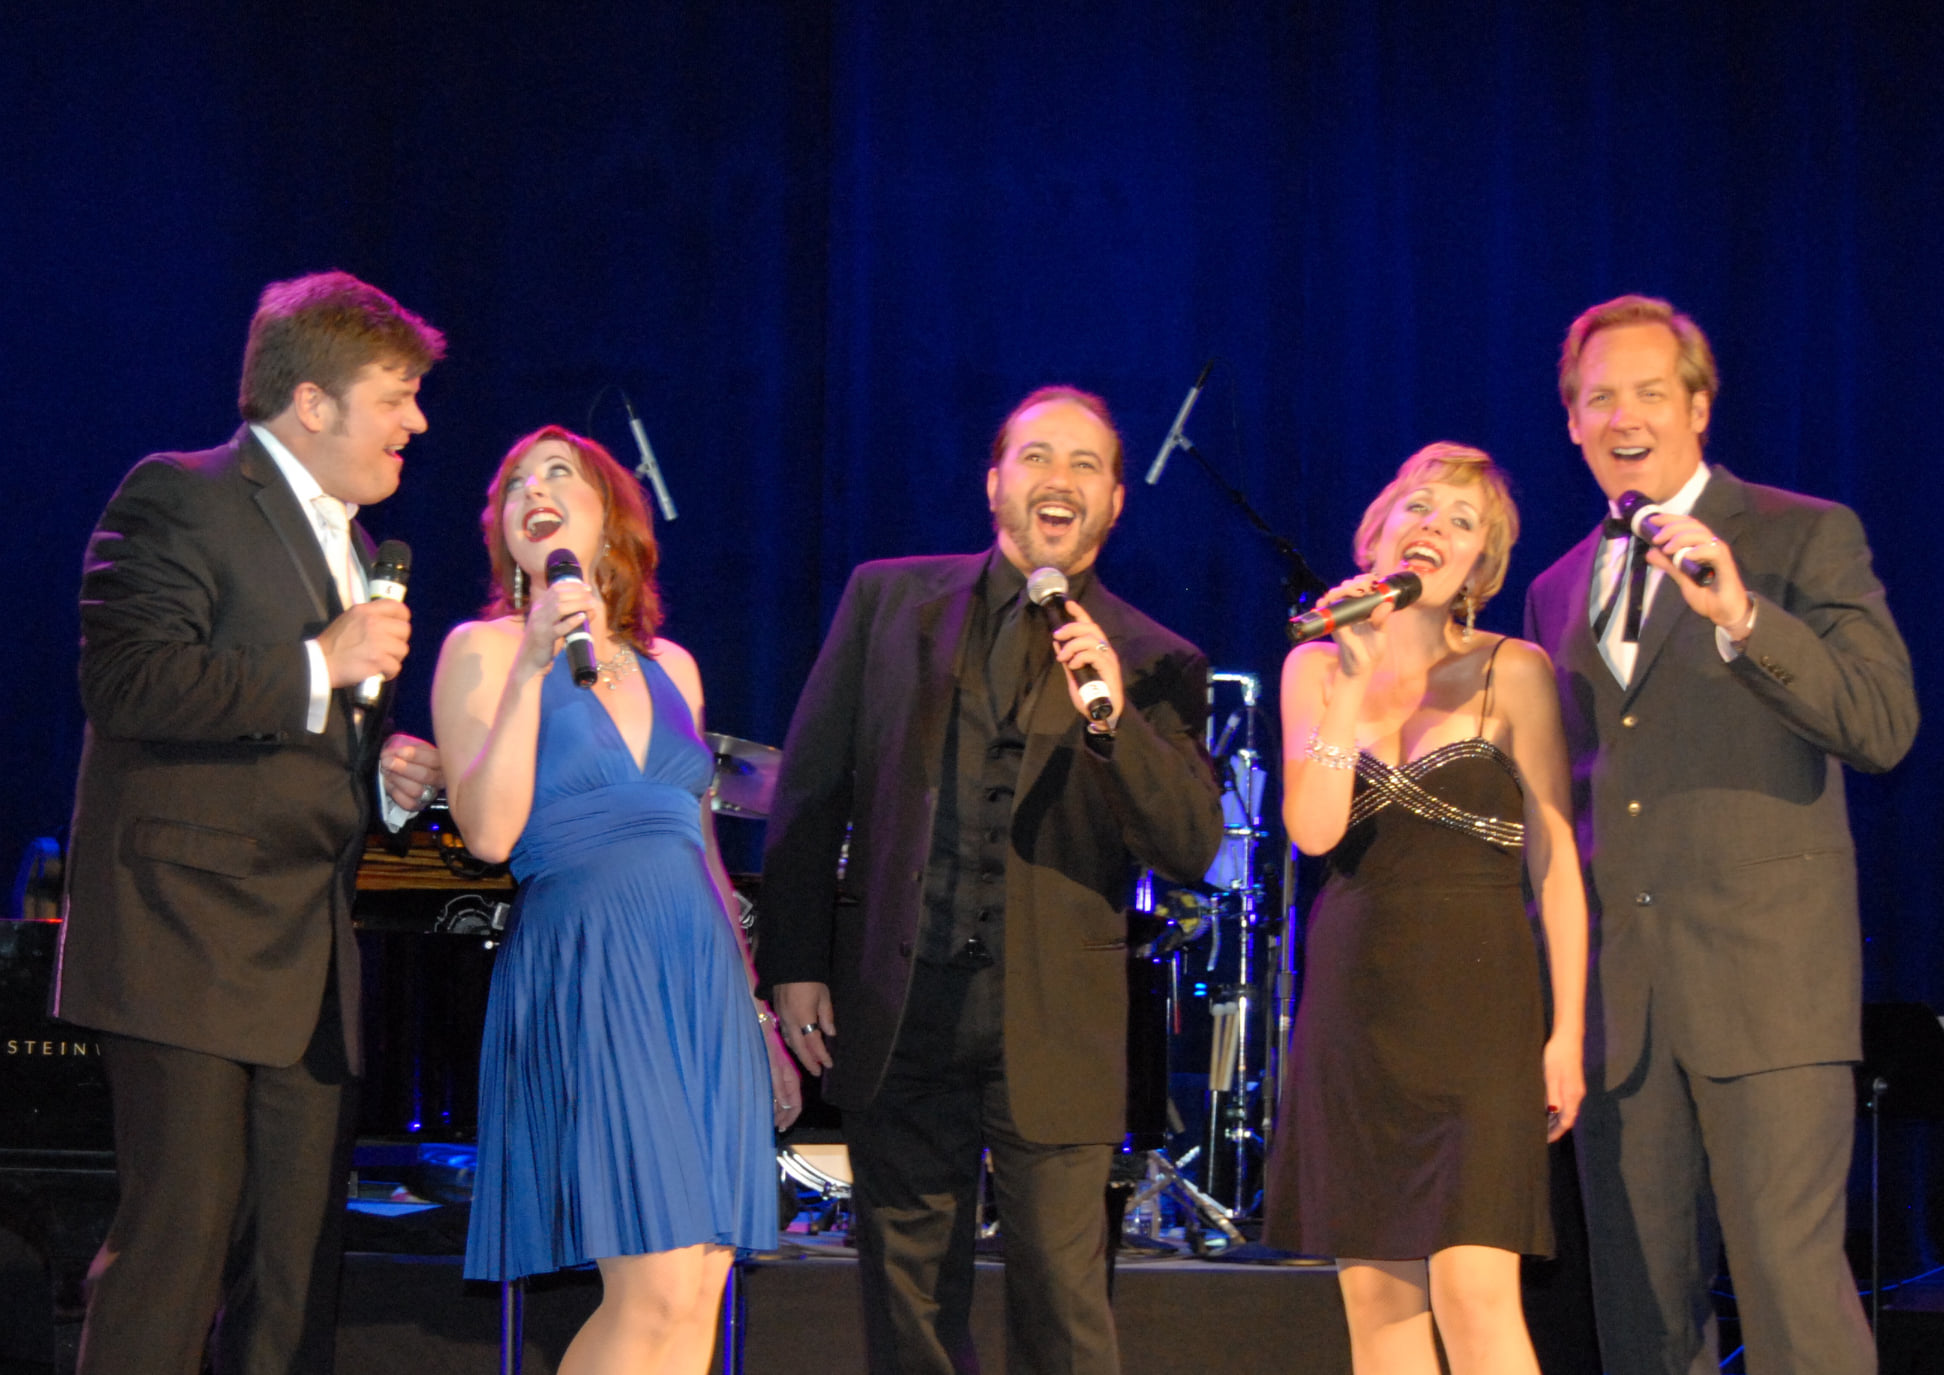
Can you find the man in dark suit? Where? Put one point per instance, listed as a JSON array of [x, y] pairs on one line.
[[964, 982], [1708, 728], [227, 780]]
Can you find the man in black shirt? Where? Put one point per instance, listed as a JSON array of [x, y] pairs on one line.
[[965, 982]]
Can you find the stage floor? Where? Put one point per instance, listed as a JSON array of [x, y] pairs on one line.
[[413, 1313]]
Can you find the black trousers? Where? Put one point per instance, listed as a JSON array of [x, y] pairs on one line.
[[915, 1155], [232, 1182]]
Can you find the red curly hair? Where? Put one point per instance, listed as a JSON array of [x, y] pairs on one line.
[[625, 574]]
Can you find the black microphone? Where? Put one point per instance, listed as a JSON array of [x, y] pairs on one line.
[[562, 566], [1048, 588], [1644, 518], [1174, 439], [1399, 590], [390, 571]]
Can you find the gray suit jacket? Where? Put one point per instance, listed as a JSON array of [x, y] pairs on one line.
[[215, 841], [1709, 795], [866, 746]]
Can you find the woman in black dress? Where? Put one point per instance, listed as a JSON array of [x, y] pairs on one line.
[[1426, 760]]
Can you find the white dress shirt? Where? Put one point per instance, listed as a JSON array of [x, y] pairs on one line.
[[349, 574], [307, 491], [1610, 570]]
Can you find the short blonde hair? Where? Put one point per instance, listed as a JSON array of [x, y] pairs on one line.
[[1461, 466], [1697, 361]]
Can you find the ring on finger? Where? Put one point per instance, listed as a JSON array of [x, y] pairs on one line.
[[806, 1029]]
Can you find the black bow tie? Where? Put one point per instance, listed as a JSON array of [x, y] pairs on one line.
[[1617, 527]]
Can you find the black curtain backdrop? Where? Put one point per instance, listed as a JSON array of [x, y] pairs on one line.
[[824, 248]]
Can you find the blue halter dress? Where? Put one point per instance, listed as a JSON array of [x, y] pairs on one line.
[[624, 1090]]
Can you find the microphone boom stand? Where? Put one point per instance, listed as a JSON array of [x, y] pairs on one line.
[[1300, 581]]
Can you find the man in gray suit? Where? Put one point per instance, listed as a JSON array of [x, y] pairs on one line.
[[1708, 728]]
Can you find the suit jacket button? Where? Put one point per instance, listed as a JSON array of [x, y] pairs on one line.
[[1643, 899], [1630, 720], [917, 875], [1633, 809], [904, 948]]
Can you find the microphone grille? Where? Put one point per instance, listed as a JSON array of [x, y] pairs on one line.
[[395, 557], [1409, 588], [1045, 583], [561, 563], [1630, 504]]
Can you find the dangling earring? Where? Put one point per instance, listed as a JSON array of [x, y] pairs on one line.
[[1470, 615], [519, 588]]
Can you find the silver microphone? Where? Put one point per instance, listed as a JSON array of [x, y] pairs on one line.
[[1047, 587], [390, 571]]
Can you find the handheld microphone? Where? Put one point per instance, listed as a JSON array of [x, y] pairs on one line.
[[1175, 439], [1643, 517], [562, 566], [390, 571], [1399, 590], [648, 468], [1048, 588]]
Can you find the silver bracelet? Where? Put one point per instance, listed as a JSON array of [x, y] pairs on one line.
[[1331, 756]]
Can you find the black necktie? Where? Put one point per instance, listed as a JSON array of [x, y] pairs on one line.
[[1635, 584], [1006, 662]]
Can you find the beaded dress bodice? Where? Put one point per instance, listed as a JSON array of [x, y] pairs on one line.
[[1406, 821]]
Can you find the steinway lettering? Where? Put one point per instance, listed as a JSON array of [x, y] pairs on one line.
[[48, 1048]]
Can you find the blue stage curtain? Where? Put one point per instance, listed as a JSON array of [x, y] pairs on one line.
[[824, 248]]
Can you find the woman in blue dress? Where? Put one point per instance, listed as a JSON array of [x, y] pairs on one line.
[[629, 1083], [1426, 760]]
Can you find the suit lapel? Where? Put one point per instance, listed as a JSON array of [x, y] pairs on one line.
[[363, 548], [941, 649], [280, 509], [1577, 650]]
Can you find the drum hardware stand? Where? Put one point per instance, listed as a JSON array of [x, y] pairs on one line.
[[512, 1291], [1300, 585], [1164, 1178], [512, 1323], [1231, 1141], [735, 1320]]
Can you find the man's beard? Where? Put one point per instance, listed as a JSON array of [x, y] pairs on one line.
[[1017, 521]]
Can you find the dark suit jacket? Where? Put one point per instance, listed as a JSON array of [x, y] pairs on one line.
[[1709, 795], [215, 841], [866, 747]]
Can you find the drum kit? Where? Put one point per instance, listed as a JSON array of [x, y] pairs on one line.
[[1211, 984]]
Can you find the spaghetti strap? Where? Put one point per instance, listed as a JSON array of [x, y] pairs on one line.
[[1485, 703]]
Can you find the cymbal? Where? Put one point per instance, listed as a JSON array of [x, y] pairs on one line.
[[746, 772]]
